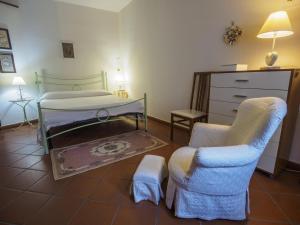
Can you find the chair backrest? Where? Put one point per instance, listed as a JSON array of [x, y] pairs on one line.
[[200, 92], [256, 121]]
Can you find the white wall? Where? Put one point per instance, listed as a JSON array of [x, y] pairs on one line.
[[95, 35], [165, 41], [37, 29]]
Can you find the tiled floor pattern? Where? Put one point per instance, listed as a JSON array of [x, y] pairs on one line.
[[29, 195]]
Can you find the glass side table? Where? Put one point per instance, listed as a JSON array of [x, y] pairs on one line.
[[23, 103]]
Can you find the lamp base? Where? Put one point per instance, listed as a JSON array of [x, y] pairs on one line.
[[271, 58]]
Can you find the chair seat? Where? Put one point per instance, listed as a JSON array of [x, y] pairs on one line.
[[189, 113], [180, 163]]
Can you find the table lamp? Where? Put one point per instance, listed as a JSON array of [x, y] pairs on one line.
[[19, 81], [120, 79], [276, 26]]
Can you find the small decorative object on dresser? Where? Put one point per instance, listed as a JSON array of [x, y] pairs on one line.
[[68, 50], [276, 26], [4, 39], [232, 34], [7, 63], [229, 89]]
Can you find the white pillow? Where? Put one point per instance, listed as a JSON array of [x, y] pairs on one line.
[[74, 94]]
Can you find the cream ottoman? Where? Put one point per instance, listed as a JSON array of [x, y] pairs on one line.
[[147, 179]]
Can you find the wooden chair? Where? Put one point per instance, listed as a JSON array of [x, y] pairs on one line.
[[198, 111]]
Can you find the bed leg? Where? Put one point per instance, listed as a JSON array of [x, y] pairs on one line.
[[42, 129], [145, 112], [44, 139], [136, 121], [49, 141]]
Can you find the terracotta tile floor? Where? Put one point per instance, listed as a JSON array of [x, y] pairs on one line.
[[30, 196]]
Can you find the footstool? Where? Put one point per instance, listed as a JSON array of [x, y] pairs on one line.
[[147, 179]]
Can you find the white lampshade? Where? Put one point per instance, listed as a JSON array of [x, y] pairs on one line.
[[18, 81], [277, 25]]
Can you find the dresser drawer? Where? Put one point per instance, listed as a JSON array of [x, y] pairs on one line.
[[220, 119], [223, 108], [238, 95], [261, 80]]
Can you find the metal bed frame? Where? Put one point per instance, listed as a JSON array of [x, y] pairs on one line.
[[76, 84]]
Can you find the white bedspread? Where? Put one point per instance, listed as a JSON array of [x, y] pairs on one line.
[[88, 108]]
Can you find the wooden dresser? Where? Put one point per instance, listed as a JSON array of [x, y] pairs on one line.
[[229, 89]]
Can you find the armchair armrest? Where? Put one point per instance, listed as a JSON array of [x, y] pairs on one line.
[[226, 156], [205, 135]]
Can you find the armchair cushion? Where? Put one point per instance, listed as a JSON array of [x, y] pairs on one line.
[[226, 156], [180, 163], [207, 135]]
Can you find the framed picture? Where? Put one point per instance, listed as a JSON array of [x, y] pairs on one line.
[[4, 39], [7, 63], [68, 50]]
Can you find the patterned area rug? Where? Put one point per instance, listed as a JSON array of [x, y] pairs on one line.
[[72, 160]]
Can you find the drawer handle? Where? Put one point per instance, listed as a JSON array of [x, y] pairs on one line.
[[235, 110], [242, 80], [240, 96]]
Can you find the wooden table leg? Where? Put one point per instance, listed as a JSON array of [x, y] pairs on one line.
[[172, 127]]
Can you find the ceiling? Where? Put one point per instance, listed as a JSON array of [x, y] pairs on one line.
[[109, 5]]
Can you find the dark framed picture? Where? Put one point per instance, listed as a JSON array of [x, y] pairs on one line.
[[7, 63], [68, 50], [4, 39]]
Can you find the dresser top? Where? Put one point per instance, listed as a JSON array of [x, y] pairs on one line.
[[251, 71]]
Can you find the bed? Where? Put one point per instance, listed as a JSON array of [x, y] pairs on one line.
[[81, 99]]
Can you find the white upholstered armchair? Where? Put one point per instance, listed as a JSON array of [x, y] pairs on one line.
[[209, 178]]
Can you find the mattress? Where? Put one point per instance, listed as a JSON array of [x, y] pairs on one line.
[[86, 108]]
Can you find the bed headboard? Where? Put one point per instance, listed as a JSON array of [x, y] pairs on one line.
[[49, 82]]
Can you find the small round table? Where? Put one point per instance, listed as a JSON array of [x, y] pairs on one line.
[[23, 103]]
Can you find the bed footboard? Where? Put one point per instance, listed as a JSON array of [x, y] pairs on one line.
[[46, 138]]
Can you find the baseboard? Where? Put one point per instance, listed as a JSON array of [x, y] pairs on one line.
[[293, 165], [167, 123], [5, 127], [159, 120]]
